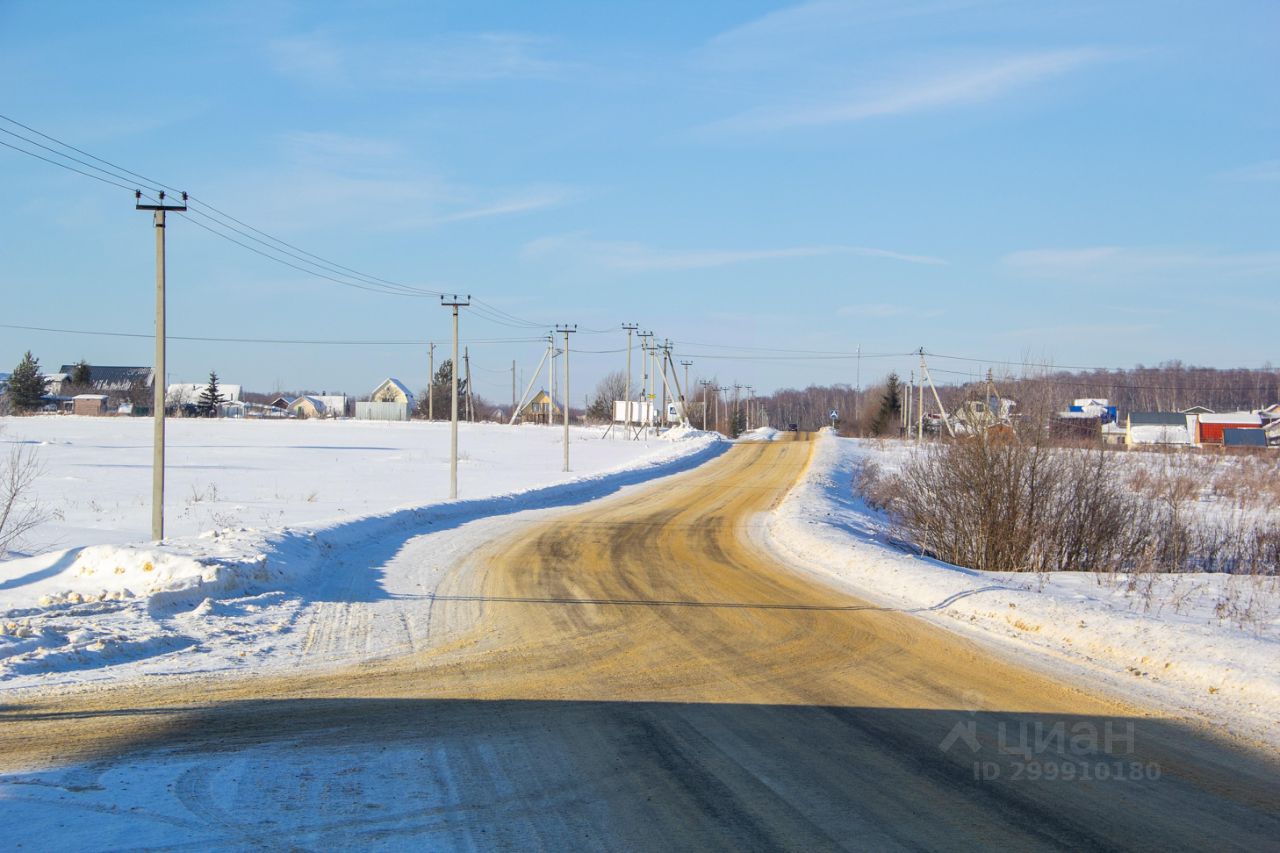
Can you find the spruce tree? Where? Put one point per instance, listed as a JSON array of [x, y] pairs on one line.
[[442, 389], [890, 406], [210, 398], [81, 376], [27, 385]]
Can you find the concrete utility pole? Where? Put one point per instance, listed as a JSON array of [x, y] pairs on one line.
[[686, 390], [455, 302], [705, 384], [431, 381], [644, 373], [466, 360], [857, 393], [513, 384], [920, 412], [551, 376], [721, 390], [566, 330], [630, 327], [751, 402], [158, 378]]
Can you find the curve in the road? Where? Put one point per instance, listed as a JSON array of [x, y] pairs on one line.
[[637, 675]]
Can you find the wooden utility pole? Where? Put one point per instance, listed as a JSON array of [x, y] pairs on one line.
[[566, 330], [159, 382], [454, 302]]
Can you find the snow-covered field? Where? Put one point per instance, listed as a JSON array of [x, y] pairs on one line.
[[291, 543], [1171, 639]]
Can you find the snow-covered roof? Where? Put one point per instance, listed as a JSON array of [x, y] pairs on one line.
[[1241, 418], [316, 402], [105, 377], [191, 392], [396, 383], [89, 397]]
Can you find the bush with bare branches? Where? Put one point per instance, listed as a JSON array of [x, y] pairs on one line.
[[20, 513], [1000, 505]]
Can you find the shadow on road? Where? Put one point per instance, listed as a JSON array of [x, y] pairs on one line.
[[645, 776]]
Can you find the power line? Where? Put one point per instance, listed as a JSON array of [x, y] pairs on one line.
[[225, 222], [1053, 366], [686, 354], [1104, 383], [65, 166], [313, 342]]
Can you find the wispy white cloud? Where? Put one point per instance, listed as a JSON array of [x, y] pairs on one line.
[[773, 36], [326, 179], [885, 310], [1080, 331], [1267, 170], [973, 83], [1122, 262], [637, 257], [322, 59]]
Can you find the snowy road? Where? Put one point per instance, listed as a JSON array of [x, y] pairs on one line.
[[633, 674]]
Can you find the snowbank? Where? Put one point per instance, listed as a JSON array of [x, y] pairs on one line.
[[760, 434], [1179, 651], [235, 595]]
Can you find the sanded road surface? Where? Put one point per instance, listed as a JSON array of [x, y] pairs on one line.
[[637, 674]]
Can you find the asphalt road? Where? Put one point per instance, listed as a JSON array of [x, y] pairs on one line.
[[638, 675]]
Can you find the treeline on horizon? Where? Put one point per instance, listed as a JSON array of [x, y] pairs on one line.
[[1168, 387]]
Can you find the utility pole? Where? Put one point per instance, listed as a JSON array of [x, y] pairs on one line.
[[907, 417], [686, 390], [751, 401], [920, 413], [159, 385], [857, 393], [566, 330], [705, 384], [466, 360], [431, 381], [630, 327], [942, 412], [513, 384], [551, 380], [721, 390], [455, 302], [644, 380]]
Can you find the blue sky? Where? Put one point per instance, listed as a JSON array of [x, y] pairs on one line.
[[1087, 183]]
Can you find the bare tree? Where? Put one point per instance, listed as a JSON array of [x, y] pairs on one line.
[[611, 387], [20, 513]]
